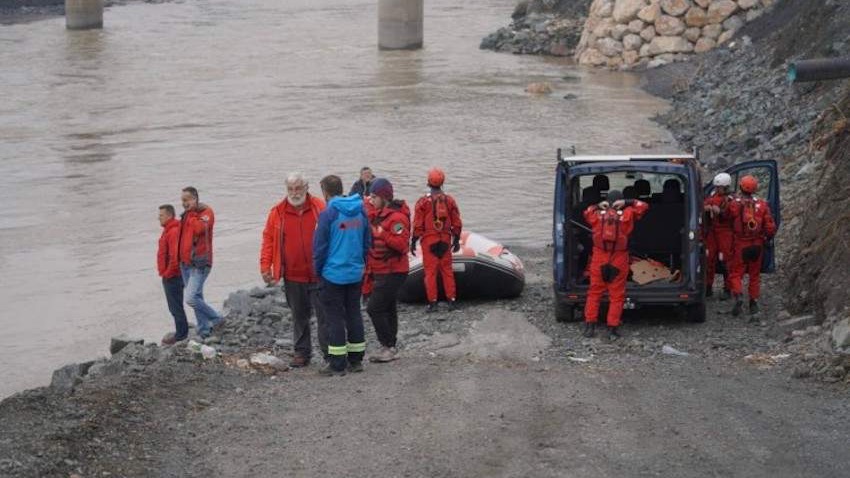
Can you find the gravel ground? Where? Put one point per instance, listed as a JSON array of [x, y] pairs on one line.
[[496, 388]]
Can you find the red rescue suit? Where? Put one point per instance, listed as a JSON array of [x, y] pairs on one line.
[[718, 238], [436, 222], [390, 239], [611, 230], [753, 226], [287, 248], [166, 254], [196, 237]]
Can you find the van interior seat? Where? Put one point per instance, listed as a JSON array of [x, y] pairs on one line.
[[672, 192], [643, 189], [659, 234], [629, 192]]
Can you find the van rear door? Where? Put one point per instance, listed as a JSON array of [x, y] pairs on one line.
[[767, 172], [559, 225]]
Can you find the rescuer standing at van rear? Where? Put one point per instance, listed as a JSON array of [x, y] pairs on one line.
[[437, 223], [612, 222], [753, 226], [719, 234]]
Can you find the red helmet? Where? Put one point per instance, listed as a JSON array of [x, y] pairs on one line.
[[436, 177], [749, 184]]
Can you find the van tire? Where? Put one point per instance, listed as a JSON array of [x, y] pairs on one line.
[[695, 312], [564, 312]]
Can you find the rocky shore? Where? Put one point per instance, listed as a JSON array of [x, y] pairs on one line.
[[736, 104], [546, 27]]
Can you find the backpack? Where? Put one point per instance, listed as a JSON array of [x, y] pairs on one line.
[[752, 220], [440, 210], [611, 228]]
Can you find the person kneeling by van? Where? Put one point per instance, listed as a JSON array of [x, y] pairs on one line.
[[612, 222]]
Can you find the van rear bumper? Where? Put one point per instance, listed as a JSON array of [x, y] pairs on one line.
[[636, 298]]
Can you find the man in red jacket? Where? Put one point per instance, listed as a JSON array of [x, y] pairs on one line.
[[718, 234], [437, 222], [753, 224], [169, 270], [388, 264], [195, 253], [287, 253], [612, 221]]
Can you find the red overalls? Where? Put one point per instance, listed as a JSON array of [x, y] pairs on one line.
[[436, 222], [718, 239], [753, 225], [611, 230]]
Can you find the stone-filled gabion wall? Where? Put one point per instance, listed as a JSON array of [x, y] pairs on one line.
[[628, 33]]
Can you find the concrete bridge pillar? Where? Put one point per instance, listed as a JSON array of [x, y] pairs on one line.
[[400, 24], [83, 14]]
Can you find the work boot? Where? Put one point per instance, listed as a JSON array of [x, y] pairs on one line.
[[739, 305], [726, 295], [386, 354], [299, 361], [613, 333], [432, 307], [452, 305], [355, 367], [754, 307], [709, 292], [329, 371], [589, 329]]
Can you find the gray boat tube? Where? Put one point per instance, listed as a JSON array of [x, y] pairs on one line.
[[819, 70]]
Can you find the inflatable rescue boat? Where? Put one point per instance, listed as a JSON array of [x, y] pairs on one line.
[[483, 269]]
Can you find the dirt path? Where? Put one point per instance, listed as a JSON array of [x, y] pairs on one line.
[[493, 391]]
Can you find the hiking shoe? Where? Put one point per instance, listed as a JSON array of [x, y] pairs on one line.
[[386, 354], [328, 371], [726, 294], [299, 361], [739, 305], [355, 367], [589, 329], [709, 292], [754, 307], [452, 305], [432, 307], [218, 326], [613, 333], [169, 339]]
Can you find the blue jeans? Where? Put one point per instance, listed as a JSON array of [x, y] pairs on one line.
[[174, 296], [205, 315]]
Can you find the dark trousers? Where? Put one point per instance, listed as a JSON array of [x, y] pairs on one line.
[[303, 299], [383, 307], [174, 296], [346, 338]]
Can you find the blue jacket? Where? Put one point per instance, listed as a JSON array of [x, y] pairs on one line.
[[342, 240]]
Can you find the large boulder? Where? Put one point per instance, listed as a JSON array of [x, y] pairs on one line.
[[649, 33], [592, 57], [696, 17], [669, 26], [748, 4], [704, 44], [120, 341], [609, 47], [675, 7], [841, 334], [720, 10], [627, 10], [632, 42], [602, 8], [650, 13], [662, 44], [66, 378]]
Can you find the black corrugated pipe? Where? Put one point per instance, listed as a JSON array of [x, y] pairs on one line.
[[818, 70]]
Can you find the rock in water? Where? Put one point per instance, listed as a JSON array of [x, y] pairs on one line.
[[119, 342], [542, 88]]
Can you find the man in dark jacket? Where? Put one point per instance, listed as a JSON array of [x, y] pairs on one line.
[[340, 245], [361, 186]]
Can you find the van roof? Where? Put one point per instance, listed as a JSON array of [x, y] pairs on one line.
[[636, 157]]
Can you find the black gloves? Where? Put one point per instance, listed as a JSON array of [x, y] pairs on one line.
[[455, 243], [413, 244]]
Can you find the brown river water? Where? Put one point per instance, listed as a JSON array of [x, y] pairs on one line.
[[98, 128]]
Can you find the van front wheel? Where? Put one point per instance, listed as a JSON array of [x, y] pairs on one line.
[[696, 312], [564, 312]]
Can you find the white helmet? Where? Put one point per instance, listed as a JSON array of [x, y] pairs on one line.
[[723, 180]]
